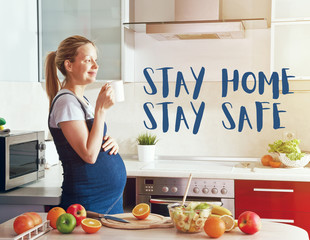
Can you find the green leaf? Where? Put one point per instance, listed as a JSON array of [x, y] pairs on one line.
[[290, 148], [147, 139]]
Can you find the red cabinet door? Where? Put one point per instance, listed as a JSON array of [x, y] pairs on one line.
[[279, 201]]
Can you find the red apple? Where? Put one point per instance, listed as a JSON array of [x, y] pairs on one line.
[[249, 222], [78, 211]]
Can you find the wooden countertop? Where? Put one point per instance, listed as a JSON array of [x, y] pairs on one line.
[[269, 231]]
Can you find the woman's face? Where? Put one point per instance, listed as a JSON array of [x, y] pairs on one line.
[[84, 68]]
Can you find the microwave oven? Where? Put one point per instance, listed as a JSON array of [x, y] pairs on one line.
[[22, 158]]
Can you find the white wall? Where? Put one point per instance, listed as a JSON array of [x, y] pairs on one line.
[[25, 105]]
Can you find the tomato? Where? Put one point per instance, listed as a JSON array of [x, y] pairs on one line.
[[22, 224]]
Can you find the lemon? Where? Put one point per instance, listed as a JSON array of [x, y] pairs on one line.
[[229, 222]]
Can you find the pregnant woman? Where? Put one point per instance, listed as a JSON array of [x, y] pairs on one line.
[[94, 173]]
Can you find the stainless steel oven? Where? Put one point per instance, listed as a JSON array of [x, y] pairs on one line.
[[158, 192], [22, 158]]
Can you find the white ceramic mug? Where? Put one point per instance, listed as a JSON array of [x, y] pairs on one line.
[[118, 87]]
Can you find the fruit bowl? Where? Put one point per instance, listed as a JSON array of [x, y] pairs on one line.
[[189, 218], [294, 163]]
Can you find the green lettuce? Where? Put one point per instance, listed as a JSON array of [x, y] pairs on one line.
[[290, 148]]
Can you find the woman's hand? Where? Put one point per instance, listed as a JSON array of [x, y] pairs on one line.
[[110, 143], [105, 98]]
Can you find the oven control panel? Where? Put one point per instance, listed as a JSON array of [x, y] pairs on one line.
[[200, 187]]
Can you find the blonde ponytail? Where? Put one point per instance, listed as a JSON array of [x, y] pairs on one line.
[[51, 79]]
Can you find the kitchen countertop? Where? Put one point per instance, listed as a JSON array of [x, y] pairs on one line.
[[269, 231], [227, 168], [47, 191]]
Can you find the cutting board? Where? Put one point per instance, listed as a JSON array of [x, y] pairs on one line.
[[152, 221]]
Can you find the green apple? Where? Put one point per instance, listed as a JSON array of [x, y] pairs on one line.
[[66, 223]]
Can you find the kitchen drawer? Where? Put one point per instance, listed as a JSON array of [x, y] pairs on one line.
[[272, 195], [300, 219]]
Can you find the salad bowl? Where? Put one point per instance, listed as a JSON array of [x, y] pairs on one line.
[[191, 217], [289, 153], [294, 163]]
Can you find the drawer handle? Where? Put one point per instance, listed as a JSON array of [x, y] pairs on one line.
[[272, 190], [279, 220]]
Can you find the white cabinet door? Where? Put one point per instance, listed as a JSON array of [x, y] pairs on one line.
[[97, 20], [19, 41], [290, 9], [290, 48]]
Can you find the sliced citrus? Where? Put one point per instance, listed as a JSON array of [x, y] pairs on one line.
[[141, 211], [229, 222], [275, 164], [53, 215], [90, 225]]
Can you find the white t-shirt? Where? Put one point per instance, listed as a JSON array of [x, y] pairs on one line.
[[68, 108]]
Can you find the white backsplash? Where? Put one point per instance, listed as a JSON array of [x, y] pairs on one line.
[[25, 107]]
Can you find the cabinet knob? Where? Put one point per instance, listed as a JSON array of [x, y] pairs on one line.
[[174, 189]]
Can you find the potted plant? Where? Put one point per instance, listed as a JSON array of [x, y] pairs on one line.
[[146, 147]]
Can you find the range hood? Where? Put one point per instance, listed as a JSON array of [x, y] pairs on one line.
[[198, 19]]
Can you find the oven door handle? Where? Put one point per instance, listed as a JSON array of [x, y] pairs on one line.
[[168, 201], [162, 201]]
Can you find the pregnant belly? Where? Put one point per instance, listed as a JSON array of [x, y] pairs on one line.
[[109, 169], [107, 175]]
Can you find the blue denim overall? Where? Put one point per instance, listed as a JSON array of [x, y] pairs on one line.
[[98, 187]]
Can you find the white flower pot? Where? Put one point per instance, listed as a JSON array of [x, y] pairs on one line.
[[146, 153]]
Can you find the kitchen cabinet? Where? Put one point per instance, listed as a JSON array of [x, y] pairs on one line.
[[284, 10], [19, 41], [290, 48], [290, 36], [278, 201], [98, 20]]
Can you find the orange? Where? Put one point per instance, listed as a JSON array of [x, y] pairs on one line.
[[266, 160], [214, 227], [141, 211], [90, 225], [275, 164], [229, 222], [53, 215]]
